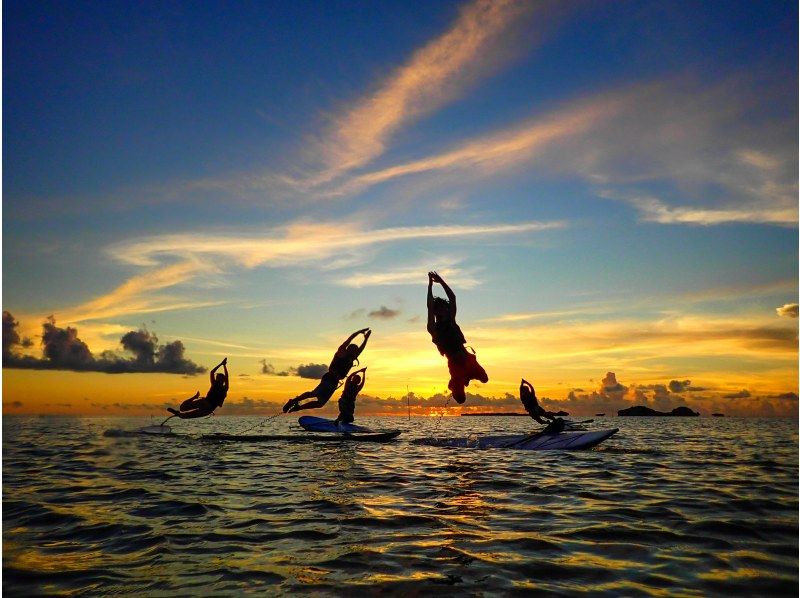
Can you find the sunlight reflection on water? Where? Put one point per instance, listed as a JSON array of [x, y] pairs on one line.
[[678, 505]]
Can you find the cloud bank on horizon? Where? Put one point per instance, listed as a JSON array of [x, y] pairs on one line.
[[62, 349]]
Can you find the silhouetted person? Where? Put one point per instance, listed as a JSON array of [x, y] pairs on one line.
[[342, 361], [347, 402], [199, 406], [450, 341], [527, 395]]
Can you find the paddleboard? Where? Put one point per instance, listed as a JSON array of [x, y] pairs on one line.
[[320, 424], [565, 441], [162, 429], [347, 437]]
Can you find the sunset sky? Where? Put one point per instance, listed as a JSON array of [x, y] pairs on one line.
[[609, 188]]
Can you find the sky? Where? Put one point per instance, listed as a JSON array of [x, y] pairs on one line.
[[610, 188]]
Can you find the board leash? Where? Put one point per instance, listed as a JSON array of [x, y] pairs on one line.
[[441, 416], [264, 421]]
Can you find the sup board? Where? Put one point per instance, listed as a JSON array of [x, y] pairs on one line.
[[565, 441], [346, 437], [320, 424], [162, 429]]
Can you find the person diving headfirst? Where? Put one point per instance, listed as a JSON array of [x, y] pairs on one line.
[[347, 402], [343, 360], [527, 395], [450, 341], [198, 406]]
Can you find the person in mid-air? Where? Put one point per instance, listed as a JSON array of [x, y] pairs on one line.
[[347, 402], [198, 406], [527, 395], [450, 341], [344, 359]]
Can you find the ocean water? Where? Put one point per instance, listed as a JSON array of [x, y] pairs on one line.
[[668, 506]]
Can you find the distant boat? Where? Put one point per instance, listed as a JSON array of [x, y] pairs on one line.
[[718, 414], [599, 414]]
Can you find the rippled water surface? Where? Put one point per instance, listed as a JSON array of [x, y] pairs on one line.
[[668, 506]]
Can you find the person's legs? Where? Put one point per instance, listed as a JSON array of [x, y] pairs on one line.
[[310, 405], [480, 374], [457, 387], [458, 378], [474, 370], [194, 413], [322, 393], [554, 427], [292, 404], [191, 403]]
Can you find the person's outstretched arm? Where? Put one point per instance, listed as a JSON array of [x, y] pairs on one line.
[[363, 372], [216, 367], [451, 296], [350, 338], [225, 370], [366, 338], [430, 303]]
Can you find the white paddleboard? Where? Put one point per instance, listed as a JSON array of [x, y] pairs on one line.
[[565, 441]]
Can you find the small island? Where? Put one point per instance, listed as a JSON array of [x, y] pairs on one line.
[[641, 410], [718, 415]]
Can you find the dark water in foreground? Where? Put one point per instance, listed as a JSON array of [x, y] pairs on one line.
[[668, 506]]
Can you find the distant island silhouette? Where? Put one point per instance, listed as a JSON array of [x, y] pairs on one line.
[[718, 414], [641, 410]]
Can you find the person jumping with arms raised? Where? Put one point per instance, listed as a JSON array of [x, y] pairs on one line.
[[527, 395], [450, 341], [198, 406], [347, 402], [342, 361]]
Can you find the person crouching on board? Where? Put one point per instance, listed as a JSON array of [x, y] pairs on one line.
[[347, 402], [199, 406], [527, 395], [343, 360], [450, 341]]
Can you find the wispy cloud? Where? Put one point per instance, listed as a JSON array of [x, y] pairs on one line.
[[702, 146], [412, 274], [655, 210], [547, 315], [500, 151], [139, 294], [297, 243], [483, 37], [193, 257]]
